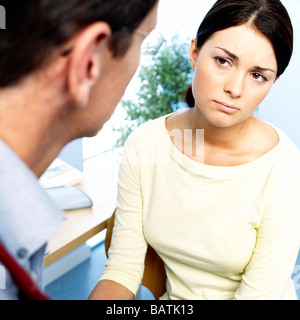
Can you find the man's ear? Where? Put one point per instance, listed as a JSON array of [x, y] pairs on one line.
[[193, 53], [85, 60]]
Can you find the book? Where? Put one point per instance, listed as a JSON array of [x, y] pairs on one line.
[[70, 198], [59, 174]]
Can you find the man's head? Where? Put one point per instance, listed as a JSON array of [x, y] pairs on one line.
[[37, 29], [64, 66]]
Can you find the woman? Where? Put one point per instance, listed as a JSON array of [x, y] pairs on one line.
[[213, 189]]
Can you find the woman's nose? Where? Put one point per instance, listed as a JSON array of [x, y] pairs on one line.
[[234, 85]]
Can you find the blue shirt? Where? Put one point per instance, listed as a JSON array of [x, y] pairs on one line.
[[28, 218]]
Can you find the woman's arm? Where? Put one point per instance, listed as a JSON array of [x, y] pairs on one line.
[[124, 268], [268, 274], [110, 290]]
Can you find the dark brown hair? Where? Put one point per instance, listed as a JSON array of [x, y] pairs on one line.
[[36, 28], [268, 17]]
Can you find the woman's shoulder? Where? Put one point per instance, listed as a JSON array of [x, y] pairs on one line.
[[268, 137], [147, 136], [148, 128], [287, 148], [283, 157], [273, 137], [264, 137], [287, 155]]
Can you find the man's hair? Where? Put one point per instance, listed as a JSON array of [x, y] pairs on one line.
[[36, 28]]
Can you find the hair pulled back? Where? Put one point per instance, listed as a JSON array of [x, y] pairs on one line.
[[268, 17]]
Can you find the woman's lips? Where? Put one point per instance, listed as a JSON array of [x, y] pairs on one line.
[[228, 108]]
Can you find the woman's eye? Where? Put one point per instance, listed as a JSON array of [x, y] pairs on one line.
[[222, 62], [258, 77]]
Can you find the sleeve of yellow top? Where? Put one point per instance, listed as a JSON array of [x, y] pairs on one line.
[[268, 274], [125, 264]]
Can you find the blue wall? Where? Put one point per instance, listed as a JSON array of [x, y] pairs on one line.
[[72, 154], [282, 106]]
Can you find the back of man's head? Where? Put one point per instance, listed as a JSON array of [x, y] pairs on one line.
[[35, 29]]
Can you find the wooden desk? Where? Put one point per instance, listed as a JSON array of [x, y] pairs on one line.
[[100, 184]]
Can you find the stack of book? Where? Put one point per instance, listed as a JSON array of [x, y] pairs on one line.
[[60, 180]]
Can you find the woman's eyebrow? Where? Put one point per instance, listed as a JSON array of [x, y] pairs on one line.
[[263, 69], [231, 55], [235, 57]]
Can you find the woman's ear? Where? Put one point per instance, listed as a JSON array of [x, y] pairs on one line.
[[85, 60], [193, 53]]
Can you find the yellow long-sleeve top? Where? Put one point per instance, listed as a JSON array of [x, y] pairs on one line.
[[222, 232]]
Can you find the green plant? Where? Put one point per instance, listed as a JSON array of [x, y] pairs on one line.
[[163, 83]]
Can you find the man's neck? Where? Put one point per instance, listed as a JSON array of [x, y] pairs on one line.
[[31, 124]]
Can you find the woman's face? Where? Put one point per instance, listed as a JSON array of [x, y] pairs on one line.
[[234, 71]]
